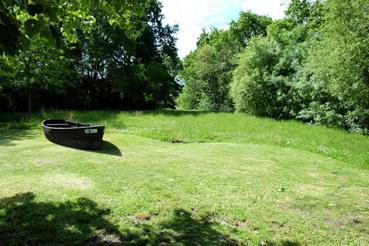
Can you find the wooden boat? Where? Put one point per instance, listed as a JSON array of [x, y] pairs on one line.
[[73, 134]]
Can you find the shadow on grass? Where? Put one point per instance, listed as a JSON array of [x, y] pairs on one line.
[[26, 221], [8, 137], [183, 228], [108, 148]]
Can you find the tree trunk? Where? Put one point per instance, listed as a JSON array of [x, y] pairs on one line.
[[29, 102]]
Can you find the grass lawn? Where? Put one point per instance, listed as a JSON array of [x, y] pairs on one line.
[[184, 178]]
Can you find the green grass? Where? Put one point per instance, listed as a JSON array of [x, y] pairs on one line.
[[184, 178]]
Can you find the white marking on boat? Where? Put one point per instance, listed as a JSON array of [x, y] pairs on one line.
[[90, 131]]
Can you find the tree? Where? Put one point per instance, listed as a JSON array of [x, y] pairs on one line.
[[270, 79], [263, 80], [208, 70], [340, 59], [40, 67], [116, 54], [249, 25], [137, 72], [7, 73], [21, 20]]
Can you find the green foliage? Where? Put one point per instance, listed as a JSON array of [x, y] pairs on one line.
[[7, 69], [207, 71], [7, 73], [308, 12], [141, 71], [40, 67], [264, 82], [312, 66], [247, 26], [340, 59], [108, 54], [23, 20]]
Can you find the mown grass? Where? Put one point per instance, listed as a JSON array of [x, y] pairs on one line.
[[186, 178]]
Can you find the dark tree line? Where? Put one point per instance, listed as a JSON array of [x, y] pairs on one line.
[[86, 55]]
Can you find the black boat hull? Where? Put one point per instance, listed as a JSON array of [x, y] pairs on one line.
[[73, 134]]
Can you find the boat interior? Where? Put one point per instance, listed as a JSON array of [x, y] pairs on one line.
[[63, 124]]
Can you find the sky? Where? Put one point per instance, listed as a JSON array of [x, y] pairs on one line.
[[194, 15]]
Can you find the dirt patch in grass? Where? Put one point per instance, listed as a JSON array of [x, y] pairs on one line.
[[256, 165], [350, 221], [104, 238], [278, 226], [44, 162], [142, 217], [68, 181], [311, 190], [243, 225], [359, 195], [327, 176], [177, 141]]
